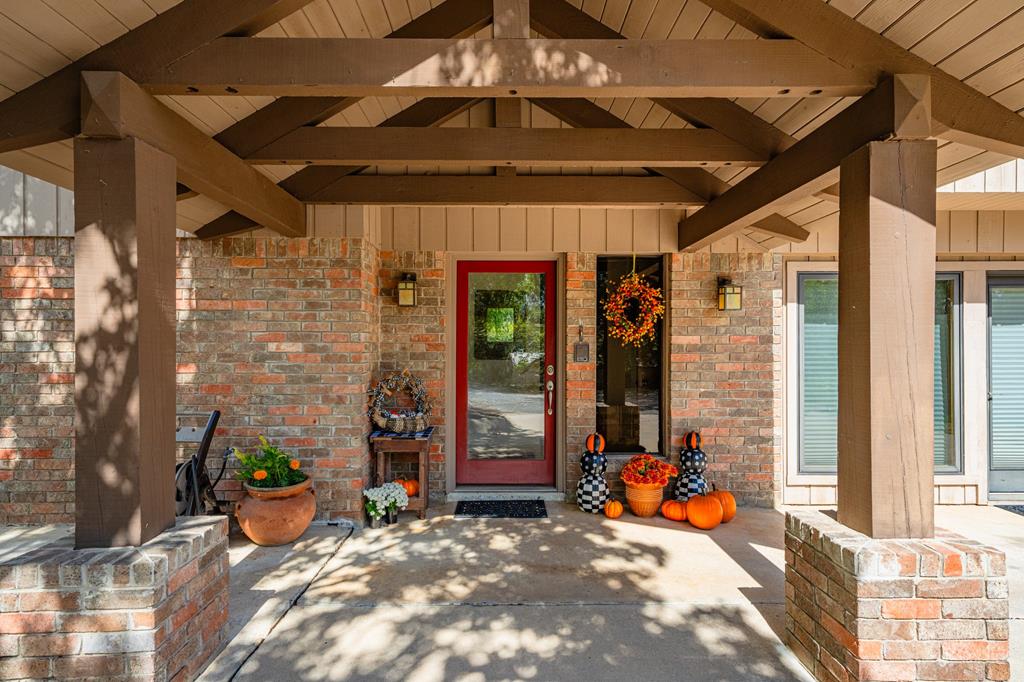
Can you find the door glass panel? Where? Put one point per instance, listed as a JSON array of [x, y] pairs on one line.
[[1006, 308], [506, 396]]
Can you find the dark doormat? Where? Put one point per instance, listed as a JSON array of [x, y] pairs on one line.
[[501, 509], [1015, 508]]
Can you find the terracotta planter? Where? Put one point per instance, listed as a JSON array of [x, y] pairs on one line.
[[276, 516], [644, 500]]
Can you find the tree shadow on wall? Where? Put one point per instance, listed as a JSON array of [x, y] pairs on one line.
[[110, 457]]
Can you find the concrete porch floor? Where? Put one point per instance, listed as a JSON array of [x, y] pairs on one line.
[[571, 597]]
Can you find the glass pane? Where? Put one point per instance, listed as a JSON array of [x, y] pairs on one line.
[[505, 367], [945, 425], [1007, 375], [628, 378], [819, 371]]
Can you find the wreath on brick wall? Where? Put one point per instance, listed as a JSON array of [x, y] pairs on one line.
[[632, 310], [400, 421]]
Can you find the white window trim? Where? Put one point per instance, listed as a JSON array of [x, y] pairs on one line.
[[974, 339]]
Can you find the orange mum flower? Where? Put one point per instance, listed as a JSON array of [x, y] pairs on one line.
[[259, 474], [294, 465]]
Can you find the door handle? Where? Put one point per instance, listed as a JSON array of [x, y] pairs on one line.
[[551, 395]]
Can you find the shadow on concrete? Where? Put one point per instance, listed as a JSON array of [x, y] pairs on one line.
[[569, 597]]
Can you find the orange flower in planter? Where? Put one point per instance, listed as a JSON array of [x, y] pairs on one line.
[[259, 474], [294, 465]]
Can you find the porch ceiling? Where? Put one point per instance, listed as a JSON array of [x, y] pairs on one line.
[[977, 42]]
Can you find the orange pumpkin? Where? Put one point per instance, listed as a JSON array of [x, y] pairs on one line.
[[728, 503], [673, 510], [613, 509], [412, 487], [704, 511], [595, 443], [691, 441]]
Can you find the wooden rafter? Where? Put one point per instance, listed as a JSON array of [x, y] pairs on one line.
[[450, 19], [962, 113], [308, 182], [599, 147], [559, 19], [115, 107], [49, 110], [896, 108], [495, 68], [584, 113], [521, 190]]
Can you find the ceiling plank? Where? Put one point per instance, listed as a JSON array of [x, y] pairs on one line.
[[496, 68], [522, 190], [49, 110], [963, 114], [559, 19], [597, 147], [450, 19], [896, 108], [114, 106], [707, 186], [309, 181]]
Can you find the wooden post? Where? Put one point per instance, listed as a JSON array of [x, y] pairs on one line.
[[124, 342], [886, 328], [511, 20]]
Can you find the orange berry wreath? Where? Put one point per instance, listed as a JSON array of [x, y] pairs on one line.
[[632, 310]]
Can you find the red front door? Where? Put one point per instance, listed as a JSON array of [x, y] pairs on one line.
[[505, 373]]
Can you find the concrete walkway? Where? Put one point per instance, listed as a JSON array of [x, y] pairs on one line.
[[572, 597]]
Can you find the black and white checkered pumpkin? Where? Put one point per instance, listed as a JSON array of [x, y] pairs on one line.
[[689, 485], [592, 490]]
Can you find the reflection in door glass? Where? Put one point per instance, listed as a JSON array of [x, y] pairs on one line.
[[506, 401]]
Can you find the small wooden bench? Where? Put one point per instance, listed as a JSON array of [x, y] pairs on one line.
[[389, 442]]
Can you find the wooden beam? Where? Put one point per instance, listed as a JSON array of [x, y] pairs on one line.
[[522, 190], [559, 19], [49, 110], [886, 339], [896, 108], [497, 68], [511, 18], [124, 342], [450, 19], [584, 113], [309, 181], [115, 107], [599, 147], [962, 113]]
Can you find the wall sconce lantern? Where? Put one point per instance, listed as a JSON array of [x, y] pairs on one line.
[[730, 296], [407, 289]]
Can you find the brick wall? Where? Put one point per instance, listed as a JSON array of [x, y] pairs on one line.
[[580, 377], [281, 335], [863, 609], [414, 338], [726, 369], [156, 612], [37, 366]]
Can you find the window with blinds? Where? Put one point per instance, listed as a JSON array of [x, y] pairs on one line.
[[1006, 375], [818, 372]]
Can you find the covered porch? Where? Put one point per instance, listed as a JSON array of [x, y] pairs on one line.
[[253, 266]]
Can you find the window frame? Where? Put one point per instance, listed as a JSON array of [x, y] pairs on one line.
[[664, 337], [817, 475]]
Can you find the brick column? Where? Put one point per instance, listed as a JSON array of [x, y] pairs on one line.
[[155, 612], [580, 377], [864, 609]]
